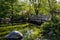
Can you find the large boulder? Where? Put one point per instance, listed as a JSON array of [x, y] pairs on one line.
[[39, 19], [15, 35]]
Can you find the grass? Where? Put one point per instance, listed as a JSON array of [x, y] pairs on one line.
[[5, 30], [19, 27]]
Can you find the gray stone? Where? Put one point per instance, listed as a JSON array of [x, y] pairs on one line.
[[14, 35]]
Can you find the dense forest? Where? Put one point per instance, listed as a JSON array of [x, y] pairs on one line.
[[35, 19]]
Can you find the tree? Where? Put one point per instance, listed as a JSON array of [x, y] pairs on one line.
[[51, 28], [8, 7]]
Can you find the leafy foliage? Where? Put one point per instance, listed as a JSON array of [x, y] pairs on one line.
[[48, 30], [51, 29]]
